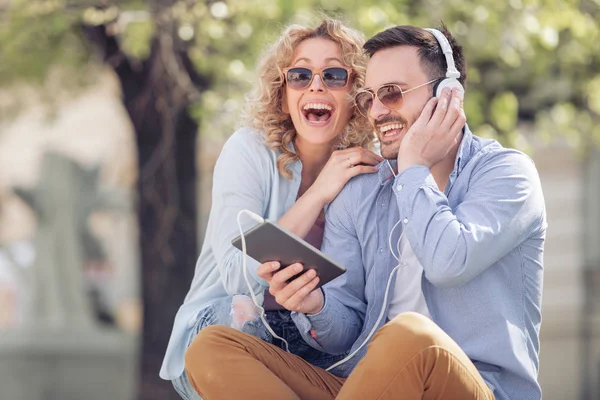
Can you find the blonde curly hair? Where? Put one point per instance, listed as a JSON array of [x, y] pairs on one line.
[[264, 110]]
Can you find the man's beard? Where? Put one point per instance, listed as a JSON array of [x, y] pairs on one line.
[[390, 151]]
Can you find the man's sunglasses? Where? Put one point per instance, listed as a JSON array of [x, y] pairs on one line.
[[390, 95], [333, 77]]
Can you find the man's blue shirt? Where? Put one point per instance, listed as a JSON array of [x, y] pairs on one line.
[[480, 243]]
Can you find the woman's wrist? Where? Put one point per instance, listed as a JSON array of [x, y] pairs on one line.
[[313, 196]]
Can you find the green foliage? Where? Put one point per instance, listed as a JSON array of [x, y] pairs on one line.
[[136, 38], [536, 60], [35, 36], [503, 110]]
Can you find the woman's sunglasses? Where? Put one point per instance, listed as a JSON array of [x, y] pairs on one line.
[[333, 77], [390, 95]]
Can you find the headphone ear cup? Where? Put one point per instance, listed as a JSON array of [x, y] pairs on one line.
[[447, 83]]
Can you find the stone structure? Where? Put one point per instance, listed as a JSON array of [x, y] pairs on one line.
[[60, 352], [63, 201]]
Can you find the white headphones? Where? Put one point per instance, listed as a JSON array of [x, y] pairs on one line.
[[452, 73]]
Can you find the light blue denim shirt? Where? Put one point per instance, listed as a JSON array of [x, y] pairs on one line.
[[480, 244], [245, 177]]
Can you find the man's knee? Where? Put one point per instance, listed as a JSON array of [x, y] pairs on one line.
[[411, 329], [412, 320], [201, 357], [204, 345]]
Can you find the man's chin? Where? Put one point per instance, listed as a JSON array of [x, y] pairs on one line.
[[389, 153]]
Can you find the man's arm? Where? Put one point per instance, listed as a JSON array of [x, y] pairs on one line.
[[503, 206]]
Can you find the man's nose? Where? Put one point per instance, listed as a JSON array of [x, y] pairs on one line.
[[377, 109]]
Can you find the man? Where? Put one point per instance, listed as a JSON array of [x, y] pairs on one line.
[[468, 218]]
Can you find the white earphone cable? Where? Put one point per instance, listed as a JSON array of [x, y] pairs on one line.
[[398, 258], [383, 306], [387, 289], [258, 219]]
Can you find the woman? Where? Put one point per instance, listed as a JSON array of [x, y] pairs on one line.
[[306, 142]]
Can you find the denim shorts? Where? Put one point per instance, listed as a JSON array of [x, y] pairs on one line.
[[280, 321]]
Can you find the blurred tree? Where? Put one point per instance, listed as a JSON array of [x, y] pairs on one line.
[[158, 84], [188, 62]]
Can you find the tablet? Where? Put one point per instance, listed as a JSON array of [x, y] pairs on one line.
[[268, 241]]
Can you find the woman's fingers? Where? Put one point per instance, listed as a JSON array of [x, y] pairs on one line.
[[360, 156], [361, 169], [370, 158], [342, 166]]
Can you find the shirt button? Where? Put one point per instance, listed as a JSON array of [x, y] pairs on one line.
[[381, 250], [399, 187], [405, 220]]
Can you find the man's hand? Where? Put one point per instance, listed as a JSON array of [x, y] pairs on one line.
[[298, 295], [435, 133]]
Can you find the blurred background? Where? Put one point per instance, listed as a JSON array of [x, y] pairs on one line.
[[112, 114]]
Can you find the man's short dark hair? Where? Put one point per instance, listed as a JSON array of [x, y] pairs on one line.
[[430, 52]]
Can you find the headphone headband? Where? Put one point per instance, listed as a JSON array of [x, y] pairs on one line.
[[451, 71]]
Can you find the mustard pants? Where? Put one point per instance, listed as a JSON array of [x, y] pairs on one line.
[[409, 358]]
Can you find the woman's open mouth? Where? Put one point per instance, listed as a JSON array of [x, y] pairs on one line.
[[317, 113]]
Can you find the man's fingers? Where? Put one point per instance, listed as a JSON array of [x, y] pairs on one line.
[[279, 279], [458, 124], [441, 109], [293, 287], [295, 302], [453, 112], [266, 270], [427, 112], [282, 276]]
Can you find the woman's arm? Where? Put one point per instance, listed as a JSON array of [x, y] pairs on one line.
[[341, 167], [241, 181]]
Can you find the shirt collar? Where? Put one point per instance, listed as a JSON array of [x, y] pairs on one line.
[[384, 172], [463, 155]]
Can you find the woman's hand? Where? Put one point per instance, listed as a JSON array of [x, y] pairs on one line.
[[298, 295], [343, 165]]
